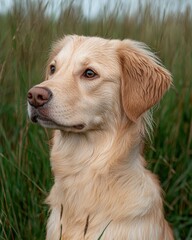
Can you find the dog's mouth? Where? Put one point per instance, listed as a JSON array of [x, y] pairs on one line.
[[37, 117]]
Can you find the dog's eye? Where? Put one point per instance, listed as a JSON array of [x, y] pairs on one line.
[[89, 73], [52, 69]]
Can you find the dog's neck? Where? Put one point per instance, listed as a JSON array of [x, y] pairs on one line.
[[73, 153]]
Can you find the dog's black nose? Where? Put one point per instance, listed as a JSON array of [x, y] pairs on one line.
[[38, 96]]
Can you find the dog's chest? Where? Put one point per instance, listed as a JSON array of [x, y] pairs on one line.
[[76, 209]]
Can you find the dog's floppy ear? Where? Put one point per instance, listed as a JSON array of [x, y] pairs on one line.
[[144, 80]]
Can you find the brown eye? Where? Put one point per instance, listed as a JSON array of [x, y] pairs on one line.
[[52, 69], [89, 73]]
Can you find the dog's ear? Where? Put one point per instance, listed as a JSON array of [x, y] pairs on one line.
[[143, 81]]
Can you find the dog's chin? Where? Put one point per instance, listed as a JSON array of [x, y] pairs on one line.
[[53, 125], [67, 128], [49, 123]]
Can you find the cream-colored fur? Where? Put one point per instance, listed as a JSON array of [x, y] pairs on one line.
[[101, 183]]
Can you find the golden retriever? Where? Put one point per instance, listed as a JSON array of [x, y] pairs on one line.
[[96, 96]]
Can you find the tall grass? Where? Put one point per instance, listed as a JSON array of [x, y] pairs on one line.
[[26, 32]]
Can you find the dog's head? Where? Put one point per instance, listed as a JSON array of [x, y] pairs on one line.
[[90, 82]]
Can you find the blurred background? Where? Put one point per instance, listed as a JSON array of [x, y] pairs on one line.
[[27, 29]]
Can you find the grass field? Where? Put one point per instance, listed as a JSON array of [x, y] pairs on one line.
[[26, 33]]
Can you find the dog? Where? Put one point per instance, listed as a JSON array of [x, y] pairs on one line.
[[96, 96]]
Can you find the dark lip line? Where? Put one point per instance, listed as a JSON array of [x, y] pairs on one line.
[[36, 115], [39, 116]]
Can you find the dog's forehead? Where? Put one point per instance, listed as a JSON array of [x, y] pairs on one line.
[[80, 48], [66, 50]]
